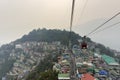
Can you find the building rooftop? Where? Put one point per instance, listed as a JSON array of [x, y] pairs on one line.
[[109, 60], [63, 76], [87, 76]]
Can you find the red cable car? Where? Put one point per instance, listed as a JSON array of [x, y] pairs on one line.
[[84, 44]]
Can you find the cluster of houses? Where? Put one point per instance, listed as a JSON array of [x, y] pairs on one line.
[[63, 66], [89, 65], [27, 56]]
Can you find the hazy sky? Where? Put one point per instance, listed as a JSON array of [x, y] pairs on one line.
[[18, 17]]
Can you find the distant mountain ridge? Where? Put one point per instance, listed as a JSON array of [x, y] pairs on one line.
[[45, 35]]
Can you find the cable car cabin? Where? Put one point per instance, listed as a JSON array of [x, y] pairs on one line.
[[84, 45]]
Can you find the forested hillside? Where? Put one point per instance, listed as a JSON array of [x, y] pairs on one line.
[[49, 36]]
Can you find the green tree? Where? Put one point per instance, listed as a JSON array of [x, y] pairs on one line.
[[48, 75]]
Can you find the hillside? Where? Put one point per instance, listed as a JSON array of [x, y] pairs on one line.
[[32, 45]]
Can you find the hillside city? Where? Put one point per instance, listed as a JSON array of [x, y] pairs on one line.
[[78, 64], [59, 40]]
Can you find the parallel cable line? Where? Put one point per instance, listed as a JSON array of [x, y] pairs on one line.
[[103, 24], [113, 25], [83, 8]]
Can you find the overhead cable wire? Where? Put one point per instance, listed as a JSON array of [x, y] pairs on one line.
[[72, 14], [83, 9], [103, 24], [113, 25], [72, 72], [71, 20]]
